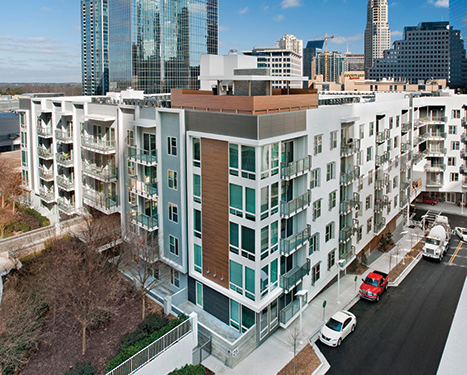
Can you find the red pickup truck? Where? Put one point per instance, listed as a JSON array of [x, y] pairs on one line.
[[374, 285]]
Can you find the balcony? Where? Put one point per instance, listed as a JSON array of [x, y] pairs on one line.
[[431, 120], [403, 202], [144, 189], [382, 136], [64, 136], [291, 244], [101, 202], [381, 159], [347, 256], [380, 225], [464, 123], [46, 174], [419, 140], [345, 234], [436, 151], [382, 179], [464, 137], [44, 131], [463, 170], [290, 311], [380, 204], [140, 156], [296, 168], [419, 157], [66, 206], [64, 159], [350, 148], [45, 153], [296, 205], [349, 177], [102, 173], [434, 167], [464, 154], [294, 276], [464, 182], [98, 145], [406, 127], [149, 223], [66, 184], [404, 185], [434, 183], [435, 136], [48, 196], [405, 147], [348, 205]]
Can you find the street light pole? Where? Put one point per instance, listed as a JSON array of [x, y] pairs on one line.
[[339, 264], [300, 294]]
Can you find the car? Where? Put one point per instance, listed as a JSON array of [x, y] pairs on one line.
[[461, 233], [338, 327], [431, 201]]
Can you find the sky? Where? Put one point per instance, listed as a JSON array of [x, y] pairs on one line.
[[40, 39]]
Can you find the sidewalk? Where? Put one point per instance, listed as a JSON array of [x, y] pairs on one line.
[[275, 352]]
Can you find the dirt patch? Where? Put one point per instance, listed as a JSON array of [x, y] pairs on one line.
[[404, 263], [359, 269], [306, 362], [60, 344]]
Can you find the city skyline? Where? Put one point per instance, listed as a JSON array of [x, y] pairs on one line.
[[45, 46]]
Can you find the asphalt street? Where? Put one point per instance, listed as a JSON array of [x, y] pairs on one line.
[[406, 331]]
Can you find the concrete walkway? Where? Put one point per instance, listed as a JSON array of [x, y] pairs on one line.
[[275, 352]]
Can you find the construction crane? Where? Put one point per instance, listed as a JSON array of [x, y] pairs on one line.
[[326, 37]]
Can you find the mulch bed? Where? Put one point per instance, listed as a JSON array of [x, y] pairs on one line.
[[305, 363], [60, 344], [404, 263]]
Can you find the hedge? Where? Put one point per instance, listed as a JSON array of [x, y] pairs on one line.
[[131, 350], [82, 369], [189, 370], [152, 323], [42, 220]]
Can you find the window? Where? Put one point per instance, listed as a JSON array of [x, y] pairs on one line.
[[395, 201], [359, 158], [250, 283], [452, 162], [369, 153], [396, 141], [197, 223], [248, 162], [264, 280], [452, 129], [455, 145], [318, 144], [332, 199], [316, 270], [372, 129], [248, 243], [236, 277], [316, 209], [314, 243], [198, 262], [314, 178], [394, 182], [196, 152], [362, 131], [233, 159], [331, 259], [234, 314], [330, 171], [454, 177], [333, 140], [368, 225], [174, 278], [368, 202], [370, 177], [172, 146], [199, 294], [173, 212], [391, 122], [130, 138], [329, 231], [456, 113], [264, 242], [173, 245], [197, 188], [172, 178]]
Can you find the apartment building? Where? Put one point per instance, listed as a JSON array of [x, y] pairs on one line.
[[252, 198]]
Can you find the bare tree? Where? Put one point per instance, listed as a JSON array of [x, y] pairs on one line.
[[5, 218], [294, 340], [10, 183]]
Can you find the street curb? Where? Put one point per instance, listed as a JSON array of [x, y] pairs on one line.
[[406, 271], [324, 367]]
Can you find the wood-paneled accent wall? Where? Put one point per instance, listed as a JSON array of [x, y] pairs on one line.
[[215, 210]]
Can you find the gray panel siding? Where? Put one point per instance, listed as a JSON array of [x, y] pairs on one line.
[[216, 304], [281, 124], [191, 290], [171, 128]]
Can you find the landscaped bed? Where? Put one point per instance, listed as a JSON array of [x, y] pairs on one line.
[[24, 219], [306, 362]]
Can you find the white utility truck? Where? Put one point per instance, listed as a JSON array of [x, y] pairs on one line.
[[437, 239]]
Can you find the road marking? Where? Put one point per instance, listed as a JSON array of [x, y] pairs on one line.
[[455, 252]]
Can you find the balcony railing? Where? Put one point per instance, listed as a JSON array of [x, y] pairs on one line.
[[146, 157], [431, 120], [290, 311], [347, 254], [47, 196], [345, 234], [102, 173], [464, 122], [464, 182], [434, 183], [380, 204], [463, 170], [432, 167], [296, 205], [294, 276], [296, 168], [464, 154], [64, 136], [464, 138], [349, 177], [295, 242], [349, 204], [101, 202], [406, 127], [350, 148], [380, 225], [144, 189], [45, 153], [44, 131], [382, 136], [404, 185], [405, 147], [46, 174], [381, 159], [435, 135], [64, 159], [403, 202], [418, 140], [66, 184], [98, 144], [66, 206], [436, 151], [149, 223], [419, 157]]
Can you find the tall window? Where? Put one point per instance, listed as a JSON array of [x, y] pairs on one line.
[[314, 178], [331, 259], [172, 178], [452, 129], [173, 212], [172, 146], [369, 153], [333, 140], [316, 272], [329, 231], [455, 145], [173, 245], [332, 199], [330, 171], [316, 209], [318, 144], [314, 243], [196, 152]]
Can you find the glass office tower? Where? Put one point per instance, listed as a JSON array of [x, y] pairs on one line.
[[458, 17], [94, 47], [156, 45]]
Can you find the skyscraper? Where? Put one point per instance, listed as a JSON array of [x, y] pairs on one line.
[[149, 45], [309, 53], [458, 17], [377, 33], [94, 46]]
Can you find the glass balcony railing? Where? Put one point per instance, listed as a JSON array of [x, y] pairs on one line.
[[432, 167], [435, 135], [102, 173], [46, 195], [406, 127], [381, 203], [98, 144], [292, 243], [66, 206], [403, 202], [431, 120], [434, 183], [380, 225], [349, 204], [381, 159], [146, 222], [464, 122], [345, 234], [404, 185], [65, 183], [295, 275], [46, 174], [148, 190], [296, 168], [419, 157], [464, 182], [64, 159], [290, 311], [405, 147], [64, 136], [382, 136], [464, 138], [464, 154], [44, 131], [349, 177], [350, 148], [146, 157], [296, 205], [434, 151], [463, 170], [45, 153], [100, 201]]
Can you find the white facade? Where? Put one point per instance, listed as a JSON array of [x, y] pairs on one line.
[[291, 43]]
